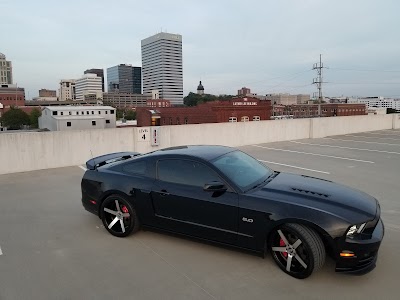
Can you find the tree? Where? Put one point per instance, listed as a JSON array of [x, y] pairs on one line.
[[130, 115], [120, 113], [15, 118], [34, 117]]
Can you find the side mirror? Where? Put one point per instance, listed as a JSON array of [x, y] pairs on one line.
[[215, 186]]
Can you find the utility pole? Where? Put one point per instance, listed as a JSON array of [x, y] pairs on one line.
[[318, 81]]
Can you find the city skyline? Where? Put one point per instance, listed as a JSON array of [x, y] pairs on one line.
[[266, 46]]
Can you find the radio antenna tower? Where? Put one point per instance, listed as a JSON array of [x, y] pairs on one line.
[[318, 82]]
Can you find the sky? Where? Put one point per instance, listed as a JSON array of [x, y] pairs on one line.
[[267, 46]]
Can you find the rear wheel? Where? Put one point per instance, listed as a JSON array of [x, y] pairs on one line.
[[118, 216], [297, 250]]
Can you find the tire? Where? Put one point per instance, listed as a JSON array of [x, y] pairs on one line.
[[297, 250], [119, 216]]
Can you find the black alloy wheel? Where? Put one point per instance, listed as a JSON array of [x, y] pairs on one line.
[[297, 250], [118, 216]]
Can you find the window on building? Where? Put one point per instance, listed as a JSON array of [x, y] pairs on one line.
[[178, 122], [186, 120], [170, 121], [92, 112], [62, 113], [106, 112], [82, 113], [99, 112], [54, 113], [256, 118], [112, 111], [232, 119], [93, 123], [68, 124], [244, 119], [87, 112], [107, 121]]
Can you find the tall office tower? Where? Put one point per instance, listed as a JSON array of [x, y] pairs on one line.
[[162, 66], [88, 85], [99, 73], [66, 91], [124, 79], [5, 70]]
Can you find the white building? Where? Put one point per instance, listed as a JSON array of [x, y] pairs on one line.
[[89, 85], [5, 70], [56, 118], [67, 90], [378, 102], [162, 66]]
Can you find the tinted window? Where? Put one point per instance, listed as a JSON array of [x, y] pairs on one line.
[[244, 170], [136, 168], [185, 172]]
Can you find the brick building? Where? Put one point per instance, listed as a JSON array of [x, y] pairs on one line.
[[311, 110], [233, 110], [12, 95]]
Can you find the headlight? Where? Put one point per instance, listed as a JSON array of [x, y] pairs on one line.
[[355, 229]]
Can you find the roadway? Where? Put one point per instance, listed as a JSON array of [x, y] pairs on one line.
[[51, 248]]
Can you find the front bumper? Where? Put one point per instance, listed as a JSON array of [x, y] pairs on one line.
[[365, 250]]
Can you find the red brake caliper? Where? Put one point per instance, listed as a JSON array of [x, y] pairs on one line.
[[282, 244], [124, 209]]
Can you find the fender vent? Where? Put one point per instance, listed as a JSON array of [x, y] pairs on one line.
[[310, 192]]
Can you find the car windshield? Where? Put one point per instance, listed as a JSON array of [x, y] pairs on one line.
[[244, 170]]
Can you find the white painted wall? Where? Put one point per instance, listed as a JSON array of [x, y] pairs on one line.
[[27, 151]]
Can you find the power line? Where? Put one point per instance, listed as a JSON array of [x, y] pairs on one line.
[[365, 70]]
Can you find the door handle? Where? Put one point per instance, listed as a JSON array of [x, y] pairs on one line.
[[163, 193]]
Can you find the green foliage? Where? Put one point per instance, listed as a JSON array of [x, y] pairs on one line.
[[34, 117], [15, 118], [120, 113], [193, 99], [130, 115]]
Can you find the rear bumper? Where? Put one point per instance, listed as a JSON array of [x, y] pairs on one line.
[[366, 253]]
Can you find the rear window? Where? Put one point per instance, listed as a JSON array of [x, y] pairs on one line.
[[135, 168]]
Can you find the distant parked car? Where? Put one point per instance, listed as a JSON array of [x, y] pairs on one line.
[[224, 195]]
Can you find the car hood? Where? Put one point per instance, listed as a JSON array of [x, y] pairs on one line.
[[320, 192]]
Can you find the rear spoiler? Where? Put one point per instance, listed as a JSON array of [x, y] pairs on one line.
[[99, 161]]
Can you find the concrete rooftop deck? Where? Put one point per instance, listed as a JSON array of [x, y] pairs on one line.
[[51, 248]]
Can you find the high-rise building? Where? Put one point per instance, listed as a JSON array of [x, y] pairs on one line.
[[5, 70], [162, 66], [67, 90], [99, 73], [88, 85], [124, 79]]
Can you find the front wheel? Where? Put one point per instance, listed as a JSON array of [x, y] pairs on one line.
[[297, 250], [118, 216]]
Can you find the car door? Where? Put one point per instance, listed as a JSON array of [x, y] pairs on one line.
[[181, 204]]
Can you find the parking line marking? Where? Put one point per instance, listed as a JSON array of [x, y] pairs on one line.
[[382, 134], [1, 252], [295, 167], [361, 142], [308, 153], [341, 147], [373, 137], [83, 168]]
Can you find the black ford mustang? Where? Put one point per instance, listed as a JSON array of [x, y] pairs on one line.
[[224, 195]]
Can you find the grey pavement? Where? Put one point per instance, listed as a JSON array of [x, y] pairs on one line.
[[51, 248]]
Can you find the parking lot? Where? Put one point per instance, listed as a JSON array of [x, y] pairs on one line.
[[51, 248]]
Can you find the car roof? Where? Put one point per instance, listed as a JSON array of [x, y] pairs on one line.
[[206, 152]]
